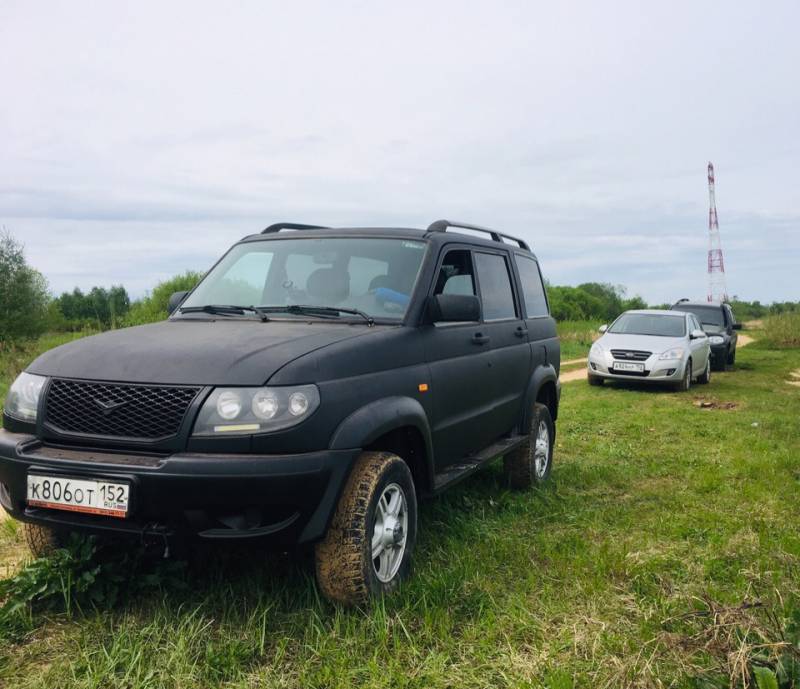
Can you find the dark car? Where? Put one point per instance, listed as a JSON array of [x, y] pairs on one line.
[[719, 324], [307, 391]]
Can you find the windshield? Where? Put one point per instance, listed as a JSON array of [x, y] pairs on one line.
[[649, 324], [375, 276], [707, 315]]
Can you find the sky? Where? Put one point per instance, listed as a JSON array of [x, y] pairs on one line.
[[138, 140]]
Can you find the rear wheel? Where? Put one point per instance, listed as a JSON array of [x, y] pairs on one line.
[[367, 549], [42, 540], [531, 463], [705, 377]]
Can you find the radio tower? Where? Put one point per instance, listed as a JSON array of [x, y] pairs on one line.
[[717, 290]]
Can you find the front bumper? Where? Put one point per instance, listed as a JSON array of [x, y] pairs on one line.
[[655, 370], [284, 499]]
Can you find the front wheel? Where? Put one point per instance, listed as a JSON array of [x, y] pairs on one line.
[[367, 549], [686, 381], [594, 380], [732, 357], [42, 541], [705, 377], [531, 463]]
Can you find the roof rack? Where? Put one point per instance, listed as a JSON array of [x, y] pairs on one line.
[[442, 225], [278, 226]]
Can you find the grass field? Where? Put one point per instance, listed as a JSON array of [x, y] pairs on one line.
[[664, 553], [576, 338]]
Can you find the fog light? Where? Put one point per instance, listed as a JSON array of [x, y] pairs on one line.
[[593, 365], [670, 371]]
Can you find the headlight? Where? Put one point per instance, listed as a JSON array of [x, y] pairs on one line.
[[597, 349], [676, 353], [255, 410], [716, 339], [23, 397]]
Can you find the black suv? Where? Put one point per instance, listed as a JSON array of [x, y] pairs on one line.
[[720, 326], [311, 386]]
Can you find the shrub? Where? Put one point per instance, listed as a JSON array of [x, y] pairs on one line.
[[154, 306]]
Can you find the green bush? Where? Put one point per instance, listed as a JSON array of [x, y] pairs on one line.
[[783, 331], [590, 301], [154, 306], [23, 294]]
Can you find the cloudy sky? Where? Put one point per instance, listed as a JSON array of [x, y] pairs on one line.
[[141, 139]]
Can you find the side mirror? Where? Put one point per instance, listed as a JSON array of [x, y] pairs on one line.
[[737, 326], [603, 328], [454, 308], [175, 301], [697, 334]]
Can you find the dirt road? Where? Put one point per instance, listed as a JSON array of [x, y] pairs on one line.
[[580, 374]]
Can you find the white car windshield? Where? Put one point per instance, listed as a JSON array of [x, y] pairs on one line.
[[371, 275], [649, 324]]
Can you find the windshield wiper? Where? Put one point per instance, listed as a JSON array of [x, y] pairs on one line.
[[321, 311], [225, 310]]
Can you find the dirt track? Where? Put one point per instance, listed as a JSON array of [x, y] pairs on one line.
[[580, 374]]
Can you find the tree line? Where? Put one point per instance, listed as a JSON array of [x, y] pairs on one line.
[[27, 309]]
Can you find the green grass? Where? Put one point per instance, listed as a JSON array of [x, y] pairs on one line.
[[576, 338], [630, 568]]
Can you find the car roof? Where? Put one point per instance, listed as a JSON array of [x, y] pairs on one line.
[[712, 304], [653, 312], [438, 236]]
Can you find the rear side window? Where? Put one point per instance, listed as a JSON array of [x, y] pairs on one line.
[[495, 281], [532, 287]]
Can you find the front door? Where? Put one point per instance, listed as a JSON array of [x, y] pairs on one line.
[[460, 359]]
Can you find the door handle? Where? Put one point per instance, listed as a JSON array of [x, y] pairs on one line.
[[480, 339], [520, 331]]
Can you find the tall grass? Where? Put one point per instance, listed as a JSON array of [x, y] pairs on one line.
[[783, 330], [576, 338]]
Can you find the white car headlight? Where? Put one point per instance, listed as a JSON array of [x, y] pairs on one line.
[[674, 353], [597, 349], [22, 400], [255, 410], [716, 339]]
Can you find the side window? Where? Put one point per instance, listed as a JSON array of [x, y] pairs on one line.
[[532, 287], [693, 324], [455, 275], [496, 292]]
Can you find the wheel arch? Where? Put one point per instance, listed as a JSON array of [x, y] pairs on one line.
[[392, 424], [543, 387]]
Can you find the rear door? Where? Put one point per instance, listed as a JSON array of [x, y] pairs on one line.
[[511, 353], [540, 325]]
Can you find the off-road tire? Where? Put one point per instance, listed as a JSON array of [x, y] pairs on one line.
[[520, 464], [42, 540], [720, 363], [594, 380], [705, 376], [343, 559], [686, 381]]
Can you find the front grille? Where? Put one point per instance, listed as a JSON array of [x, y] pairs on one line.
[[637, 374], [630, 354], [147, 412]]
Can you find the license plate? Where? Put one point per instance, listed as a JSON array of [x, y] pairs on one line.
[[92, 496], [628, 366]]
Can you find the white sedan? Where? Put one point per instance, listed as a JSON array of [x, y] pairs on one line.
[[652, 346]]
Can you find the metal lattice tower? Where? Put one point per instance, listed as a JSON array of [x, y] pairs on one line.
[[717, 289]]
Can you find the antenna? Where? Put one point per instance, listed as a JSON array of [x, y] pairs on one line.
[[717, 289]]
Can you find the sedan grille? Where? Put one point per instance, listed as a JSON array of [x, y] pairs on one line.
[[146, 412], [630, 354]]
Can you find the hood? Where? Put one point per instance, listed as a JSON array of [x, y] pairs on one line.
[[194, 351], [646, 343]]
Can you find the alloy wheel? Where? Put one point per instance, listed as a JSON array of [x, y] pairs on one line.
[[389, 532]]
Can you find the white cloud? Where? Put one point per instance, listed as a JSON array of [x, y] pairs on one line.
[[141, 140]]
